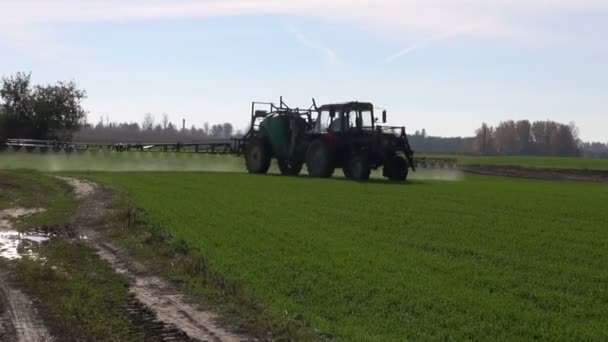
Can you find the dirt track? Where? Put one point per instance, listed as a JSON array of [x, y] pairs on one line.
[[18, 318], [167, 314], [537, 173], [19, 321]]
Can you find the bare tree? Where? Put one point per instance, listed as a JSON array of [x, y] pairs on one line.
[[148, 122], [228, 130], [165, 120], [525, 138]]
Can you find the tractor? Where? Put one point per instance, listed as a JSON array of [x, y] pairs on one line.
[[343, 136]]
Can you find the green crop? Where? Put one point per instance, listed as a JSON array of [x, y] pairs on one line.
[[159, 161], [483, 258], [531, 161], [119, 161]]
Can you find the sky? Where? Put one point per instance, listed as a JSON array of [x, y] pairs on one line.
[[442, 65]]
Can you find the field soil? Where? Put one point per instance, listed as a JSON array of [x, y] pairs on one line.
[[157, 304], [538, 173]]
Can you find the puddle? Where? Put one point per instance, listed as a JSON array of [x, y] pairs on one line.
[[15, 244]]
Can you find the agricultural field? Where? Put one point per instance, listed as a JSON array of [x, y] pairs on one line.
[[530, 161], [480, 258], [119, 161], [159, 161]]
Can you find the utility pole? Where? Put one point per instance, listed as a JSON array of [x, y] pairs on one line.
[[183, 124]]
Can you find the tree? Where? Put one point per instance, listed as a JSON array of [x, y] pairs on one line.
[[540, 137], [217, 131], [506, 138], [16, 93], [523, 129], [165, 120], [148, 123], [2, 124], [227, 130], [484, 139], [44, 112], [58, 110], [17, 112]]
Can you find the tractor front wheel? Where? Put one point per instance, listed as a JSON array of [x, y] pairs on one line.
[[290, 168], [319, 160], [257, 156], [358, 168], [396, 169]]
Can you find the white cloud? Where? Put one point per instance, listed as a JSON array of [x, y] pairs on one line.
[[328, 53], [424, 19], [428, 16], [426, 43]]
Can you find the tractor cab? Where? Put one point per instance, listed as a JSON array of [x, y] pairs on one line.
[[344, 117]]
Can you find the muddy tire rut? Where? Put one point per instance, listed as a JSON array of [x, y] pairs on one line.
[[159, 310], [19, 320]]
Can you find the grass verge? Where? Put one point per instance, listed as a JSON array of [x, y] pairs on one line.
[[186, 266], [79, 296], [30, 189]]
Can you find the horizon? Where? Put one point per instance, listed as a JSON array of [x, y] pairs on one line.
[[438, 65]]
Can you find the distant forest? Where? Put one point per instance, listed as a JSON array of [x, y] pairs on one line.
[[541, 138], [151, 131]]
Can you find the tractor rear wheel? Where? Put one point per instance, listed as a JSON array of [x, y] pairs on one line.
[[288, 167], [396, 169], [319, 160], [347, 173], [257, 156], [358, 168]]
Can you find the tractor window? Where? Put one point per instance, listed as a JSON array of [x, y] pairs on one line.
[[338, 124], [352, 119], [323, 122], [365, 117]]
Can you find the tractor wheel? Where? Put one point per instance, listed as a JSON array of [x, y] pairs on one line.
[[257, 156], [319, 160], [290, 168], [347, 173], [396, 169], [358, 168]]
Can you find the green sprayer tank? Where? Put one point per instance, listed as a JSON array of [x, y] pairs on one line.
[[276, 130]]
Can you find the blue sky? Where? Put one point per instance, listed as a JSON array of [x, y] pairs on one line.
[[443, 65]]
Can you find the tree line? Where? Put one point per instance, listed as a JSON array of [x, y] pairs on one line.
[[55, 112], [422, 142], [151, 131], [546, 138]]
